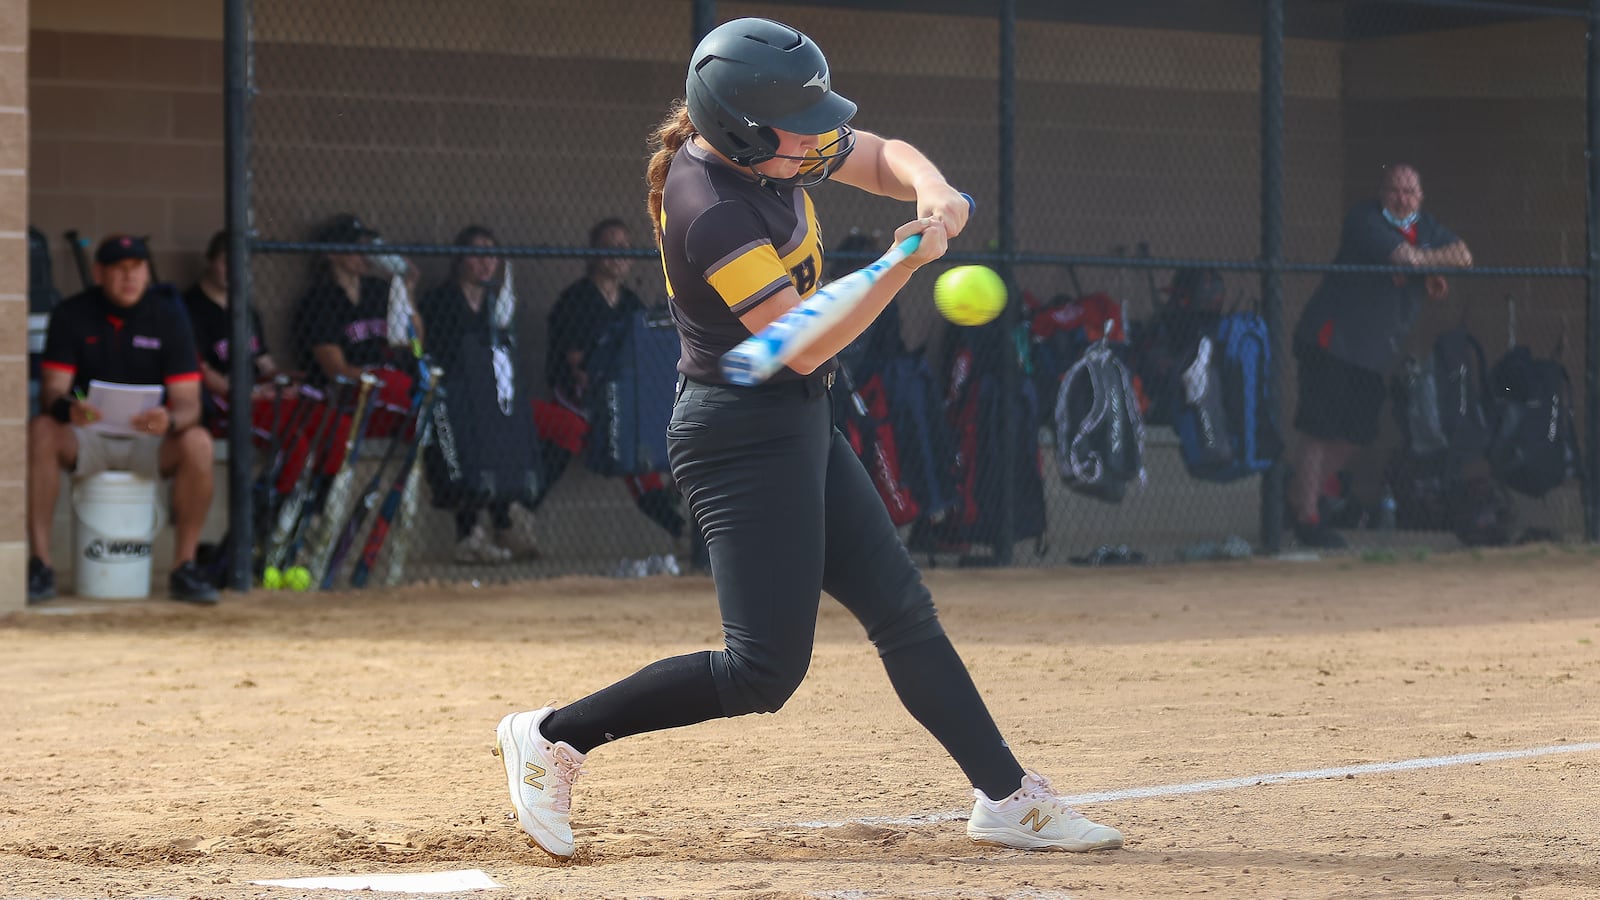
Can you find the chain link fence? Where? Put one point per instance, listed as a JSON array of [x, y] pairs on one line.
[[1117, 159]]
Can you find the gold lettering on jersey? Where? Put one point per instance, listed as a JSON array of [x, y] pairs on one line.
[[804, 262], [537, 772], [1036, 820], [804, 275]]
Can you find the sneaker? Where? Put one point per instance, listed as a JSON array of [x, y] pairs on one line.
[[539, 775], [477, 548], [1034, 818], [1319, 536], [41, 580], [188, 584], [518, 539], [631, 568], [662, 565]]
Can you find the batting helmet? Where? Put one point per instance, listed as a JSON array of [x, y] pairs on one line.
[[750, 76]]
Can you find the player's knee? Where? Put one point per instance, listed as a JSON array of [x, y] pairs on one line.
[[196, 445], [765, 689], [911, 624], [188, 455]]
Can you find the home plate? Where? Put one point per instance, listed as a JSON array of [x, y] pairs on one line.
[[409, 883]]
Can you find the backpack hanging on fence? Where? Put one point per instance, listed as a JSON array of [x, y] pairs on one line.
[[633, 377], [867, 426], [975, 406], [1059, 332], [925, 444], [1225, 418], [1535, 447], [1099, 432], [1439, 402]]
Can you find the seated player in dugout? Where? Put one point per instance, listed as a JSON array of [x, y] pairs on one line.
[[487, 460], [122, 331], [583, 313], [207, 303], [343, 323]]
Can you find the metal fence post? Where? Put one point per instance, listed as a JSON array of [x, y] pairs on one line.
[[241, 369], [1591, 330], [1010, 316], [703, 19], [1272, 249]]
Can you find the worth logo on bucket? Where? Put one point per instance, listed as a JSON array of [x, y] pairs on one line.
[[116, 551]]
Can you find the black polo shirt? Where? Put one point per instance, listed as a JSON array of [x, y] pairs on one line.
[[361, 329], [212, 330], [1366, 319], [150, 342]]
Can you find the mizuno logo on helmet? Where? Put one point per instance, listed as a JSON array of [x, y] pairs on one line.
[[818, 80]]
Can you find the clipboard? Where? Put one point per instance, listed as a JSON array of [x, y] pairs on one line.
[[119, 403]]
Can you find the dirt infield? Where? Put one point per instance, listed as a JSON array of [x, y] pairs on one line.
[[151, 749]]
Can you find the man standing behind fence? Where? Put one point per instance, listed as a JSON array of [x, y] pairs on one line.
[[1352, 334]]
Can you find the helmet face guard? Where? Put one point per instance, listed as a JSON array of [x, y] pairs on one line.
[[820, 163], [751, 78]]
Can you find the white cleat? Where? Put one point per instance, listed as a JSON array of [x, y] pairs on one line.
[[539, 775], [1035, 818]]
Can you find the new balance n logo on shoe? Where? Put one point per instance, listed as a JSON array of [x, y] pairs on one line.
[[1035, 820], [532, 778]]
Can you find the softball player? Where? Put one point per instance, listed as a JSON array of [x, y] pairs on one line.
[[786, 508]]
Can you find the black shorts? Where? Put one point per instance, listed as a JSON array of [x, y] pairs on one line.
[[1338, 401]]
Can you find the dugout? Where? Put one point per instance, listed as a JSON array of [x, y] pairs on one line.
[[1232, 133]]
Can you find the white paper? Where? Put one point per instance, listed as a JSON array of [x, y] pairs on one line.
[[119, 403], [413, 883]]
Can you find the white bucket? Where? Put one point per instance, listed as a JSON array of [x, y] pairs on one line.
[[117, 518]]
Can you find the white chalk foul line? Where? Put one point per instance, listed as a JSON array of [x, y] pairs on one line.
[[1225, 784]]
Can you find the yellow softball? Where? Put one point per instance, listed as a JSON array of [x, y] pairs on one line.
[[272, 578], [297, 578], [969, 295]]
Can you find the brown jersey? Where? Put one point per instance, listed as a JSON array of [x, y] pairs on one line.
[[728, 243]]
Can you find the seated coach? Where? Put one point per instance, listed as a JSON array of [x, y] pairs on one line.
[[123, 331]]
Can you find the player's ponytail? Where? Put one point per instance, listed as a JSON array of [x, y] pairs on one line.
[[669, 136]]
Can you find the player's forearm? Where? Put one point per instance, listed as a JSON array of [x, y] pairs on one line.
[[904, 170], [886, 167], [835, 339]]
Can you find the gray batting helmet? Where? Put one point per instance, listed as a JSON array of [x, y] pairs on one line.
[[749, 76]]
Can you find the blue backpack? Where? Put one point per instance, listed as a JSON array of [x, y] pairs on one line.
[[1224, 412], [633, 371]]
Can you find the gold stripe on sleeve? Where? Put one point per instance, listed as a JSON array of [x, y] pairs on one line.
[[749, 275]]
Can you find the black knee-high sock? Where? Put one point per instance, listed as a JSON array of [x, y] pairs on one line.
[[934, 686], [670, 693]]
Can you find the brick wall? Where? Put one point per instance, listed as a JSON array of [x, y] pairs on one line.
[[127, 136], [13, 298]]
